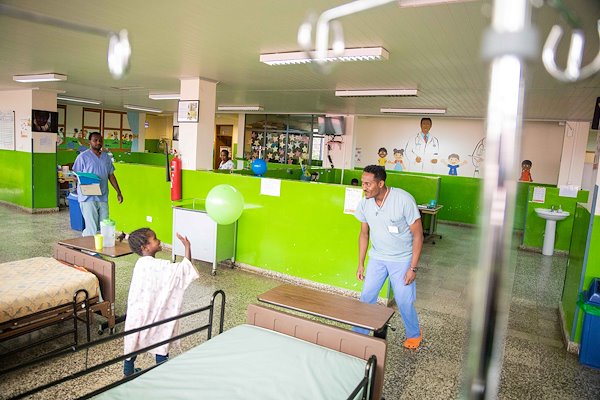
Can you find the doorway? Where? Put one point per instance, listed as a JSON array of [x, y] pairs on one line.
[[223, 141]]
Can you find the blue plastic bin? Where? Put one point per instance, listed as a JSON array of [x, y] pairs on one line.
[[77, 222], [589, 353]]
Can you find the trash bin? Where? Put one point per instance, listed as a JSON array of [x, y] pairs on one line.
[[77, 222], [589, 352]]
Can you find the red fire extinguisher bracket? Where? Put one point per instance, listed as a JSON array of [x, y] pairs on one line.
[[176, 178]]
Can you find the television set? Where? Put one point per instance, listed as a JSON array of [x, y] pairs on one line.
[[331, 125], [44, 121]]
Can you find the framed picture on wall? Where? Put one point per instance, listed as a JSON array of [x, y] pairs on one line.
[[188, 110], [175, 133], [44, 121]]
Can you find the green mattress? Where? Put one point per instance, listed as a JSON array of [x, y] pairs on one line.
[[248, 362]]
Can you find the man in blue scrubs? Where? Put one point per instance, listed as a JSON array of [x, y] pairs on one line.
[[391, 220], [95, 208]]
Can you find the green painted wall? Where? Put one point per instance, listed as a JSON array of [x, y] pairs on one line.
[[15, 175], [44, 180], [151, 145], [66, 156], [303, 233], [592, 266], [575, 266], [533, 235]]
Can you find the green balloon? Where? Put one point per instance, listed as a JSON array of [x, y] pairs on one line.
[[224, 204]]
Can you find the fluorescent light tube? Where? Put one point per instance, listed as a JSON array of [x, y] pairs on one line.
[[413, 110], [78, 100], [376, 92], [39, 78], [164, 96], [240, 108], [141, 108], [301, 57]]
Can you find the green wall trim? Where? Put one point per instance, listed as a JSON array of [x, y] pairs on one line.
[[44, 180], [575, 266], [15, 178]]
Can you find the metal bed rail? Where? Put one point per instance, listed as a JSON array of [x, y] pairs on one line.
[[47, 318], [367, 383], [207, 327]]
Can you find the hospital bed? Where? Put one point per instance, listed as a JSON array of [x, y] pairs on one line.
[[274, 355], [40, 292]]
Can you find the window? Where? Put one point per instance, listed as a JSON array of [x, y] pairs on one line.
[[284, 139]]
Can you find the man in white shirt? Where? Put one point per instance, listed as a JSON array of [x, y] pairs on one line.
[[391, 220]]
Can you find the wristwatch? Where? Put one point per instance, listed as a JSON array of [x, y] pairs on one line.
[[414, 269]]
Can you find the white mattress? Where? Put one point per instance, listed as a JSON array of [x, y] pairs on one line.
[[248, 362]]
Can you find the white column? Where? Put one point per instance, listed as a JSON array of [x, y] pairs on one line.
[[141, 140], [573, 153], [239, 139], [342, 147], [196, 140]]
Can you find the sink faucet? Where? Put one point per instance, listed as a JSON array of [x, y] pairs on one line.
[[552, 209], [560, 208]]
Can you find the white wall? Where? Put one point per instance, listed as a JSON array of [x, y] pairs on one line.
[[541, 143], [575, 141], [19, 101]]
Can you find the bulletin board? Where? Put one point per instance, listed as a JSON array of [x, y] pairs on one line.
[[7, 130]]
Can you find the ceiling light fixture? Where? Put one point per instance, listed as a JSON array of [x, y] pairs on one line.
[[164, 96], [413, 110], [141, 108], [376, 92], [78, 100], [40, 78], [301, 57], [240, 108]]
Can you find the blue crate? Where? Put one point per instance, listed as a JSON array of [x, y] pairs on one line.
[[589, 352], [77, 221]]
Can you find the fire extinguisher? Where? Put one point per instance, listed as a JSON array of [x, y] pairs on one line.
[[176, 178]]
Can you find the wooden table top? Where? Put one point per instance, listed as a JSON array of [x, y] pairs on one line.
[[426, 210], [87, 243], [331, 306]]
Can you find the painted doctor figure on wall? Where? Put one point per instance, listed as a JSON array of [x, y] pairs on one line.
[[423, 151]]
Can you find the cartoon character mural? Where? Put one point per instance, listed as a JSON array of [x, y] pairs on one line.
[[526, 171], [477, 157], [398, 160], [453, 163], [424, 149], [382, 153]]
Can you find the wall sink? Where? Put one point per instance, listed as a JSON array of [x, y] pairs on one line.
[[551, 218]]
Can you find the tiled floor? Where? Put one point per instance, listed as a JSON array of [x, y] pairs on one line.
[[535, 363]]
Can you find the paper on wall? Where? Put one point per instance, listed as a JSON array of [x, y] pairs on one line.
[[539, 194], [270, 187], [353, 197], [568, 190]]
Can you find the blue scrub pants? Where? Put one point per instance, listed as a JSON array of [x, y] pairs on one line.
[[377, 272], [93, 212]]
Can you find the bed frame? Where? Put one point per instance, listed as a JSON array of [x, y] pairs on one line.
[[342, 340], [365, 347], [75, 310]]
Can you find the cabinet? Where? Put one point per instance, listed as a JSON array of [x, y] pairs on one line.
[[210, 241]]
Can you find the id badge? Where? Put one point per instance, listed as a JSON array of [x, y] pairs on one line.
[[393, 229]]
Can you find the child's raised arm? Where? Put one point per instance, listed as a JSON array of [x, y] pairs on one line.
[[186, 243]]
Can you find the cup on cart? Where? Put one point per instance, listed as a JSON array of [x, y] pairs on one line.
[[107, 229], [98, 241]]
